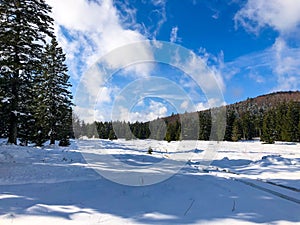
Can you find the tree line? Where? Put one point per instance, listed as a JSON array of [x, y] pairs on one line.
[[35, 100], [280, 122]]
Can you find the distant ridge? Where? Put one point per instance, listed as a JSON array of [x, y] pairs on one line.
[[259, 103], [271, 117], [269, 100]]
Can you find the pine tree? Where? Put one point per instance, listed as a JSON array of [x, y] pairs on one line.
[[54, 97], [248, 126], [56, 81], [229, 125], [24, 25], [204, 125], [281, 111], [290, 125], [269, 127], [112, 135], [258, 122], [172, 131], [237, 130]]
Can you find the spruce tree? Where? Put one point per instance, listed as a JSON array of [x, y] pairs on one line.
[[229, 125], [281, 111], [112, 135], [53, 113], [237, 130], [269, 127], [248, 126], [24, 26], [205, 125], [290, 126]]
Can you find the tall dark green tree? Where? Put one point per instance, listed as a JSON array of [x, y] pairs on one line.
[[24, 26], [290, 125], [248, 125], [204, 125], [173, 131], [281, 111], [269, 127], [53, 111], [237, 130], [229, 125]]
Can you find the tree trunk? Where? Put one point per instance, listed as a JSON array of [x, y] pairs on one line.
[[52, 136], [12, 130], [13, 119], [52, 140]]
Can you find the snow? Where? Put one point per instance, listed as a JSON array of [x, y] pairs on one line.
[[5, 100], [246, 183]]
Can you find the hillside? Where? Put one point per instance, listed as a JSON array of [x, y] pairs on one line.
[[271, 117], [267, 101], [263, 102]]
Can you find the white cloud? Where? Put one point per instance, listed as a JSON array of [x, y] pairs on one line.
[[207, 77], [90, 30], [257, 77], [155, 110], [82, 15], [87, 30], [159, 12], [281, 15], [286, 62], [173, 35], [209, 104], [184, 105], [202, 106], [287, 65], [281, 59], [105, 95], [278, 64]]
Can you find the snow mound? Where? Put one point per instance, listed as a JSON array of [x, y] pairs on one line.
[[269, 160], [230, 163], [13, 154]]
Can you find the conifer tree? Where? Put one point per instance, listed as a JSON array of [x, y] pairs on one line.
[[229, 125], [281, 111], [204, 125], [290, 126], [237, 130], [269, 127], [24, 25], [53, 109], [248, 126]]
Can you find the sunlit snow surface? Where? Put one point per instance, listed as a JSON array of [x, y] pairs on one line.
[[246, 183]]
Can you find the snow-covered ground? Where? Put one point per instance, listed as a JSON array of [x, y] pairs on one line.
[[246, 183]]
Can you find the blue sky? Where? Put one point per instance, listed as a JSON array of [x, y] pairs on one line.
[[248, 47]]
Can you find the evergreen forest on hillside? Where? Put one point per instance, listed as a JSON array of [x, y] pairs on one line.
[[270, 121]]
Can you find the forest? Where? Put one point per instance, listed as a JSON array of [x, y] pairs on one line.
[[35, 97], [275, 118]]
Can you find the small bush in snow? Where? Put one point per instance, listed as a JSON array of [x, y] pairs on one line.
[[64, 142], [150, 150]]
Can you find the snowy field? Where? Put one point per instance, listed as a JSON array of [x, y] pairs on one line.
[[245, 183]]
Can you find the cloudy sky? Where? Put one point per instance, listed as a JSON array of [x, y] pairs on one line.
[[143, 59]]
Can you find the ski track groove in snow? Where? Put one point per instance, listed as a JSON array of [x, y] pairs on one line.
[[259, 187], [289, 198]]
